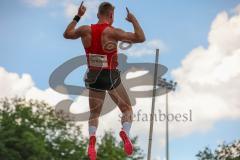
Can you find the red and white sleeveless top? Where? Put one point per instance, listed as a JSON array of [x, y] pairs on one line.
[[97, 57]]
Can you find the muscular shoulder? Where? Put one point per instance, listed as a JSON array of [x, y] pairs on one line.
[[85, 27], [84, 30], [112, 32]]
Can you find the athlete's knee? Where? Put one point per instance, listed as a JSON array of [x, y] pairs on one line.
[[126, 108], [130, 110], [127, 111], [96, 102]]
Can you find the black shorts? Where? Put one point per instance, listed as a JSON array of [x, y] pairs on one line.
[[102, 80]]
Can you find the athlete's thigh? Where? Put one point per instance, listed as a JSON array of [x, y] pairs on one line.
[[96, 100], [119, 96]]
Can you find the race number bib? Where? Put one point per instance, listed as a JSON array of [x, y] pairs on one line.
[[97, 60]]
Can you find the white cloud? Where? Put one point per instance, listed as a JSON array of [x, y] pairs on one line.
[[48, 95], [146, 48], [37, 3], [13, 85], [131, 75], [211, 76], [71, 9]]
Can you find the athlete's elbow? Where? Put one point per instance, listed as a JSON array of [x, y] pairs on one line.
[[67, 36], [142, 39]]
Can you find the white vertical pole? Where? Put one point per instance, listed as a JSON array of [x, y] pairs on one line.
[[153, 105], [167, 127]]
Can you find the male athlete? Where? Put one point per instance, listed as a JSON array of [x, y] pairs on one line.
[[103, 75]]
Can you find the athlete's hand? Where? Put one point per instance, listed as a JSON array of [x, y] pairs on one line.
[[130, 17], [81, 10]]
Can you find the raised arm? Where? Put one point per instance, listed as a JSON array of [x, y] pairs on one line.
[[137, 37], [71, 32]]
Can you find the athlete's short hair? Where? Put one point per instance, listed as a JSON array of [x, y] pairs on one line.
[[105, 8]]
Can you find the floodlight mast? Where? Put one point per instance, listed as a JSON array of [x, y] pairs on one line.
[[167, 86]]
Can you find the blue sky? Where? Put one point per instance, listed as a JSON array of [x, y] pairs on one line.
[[32, 32], [32, 42]]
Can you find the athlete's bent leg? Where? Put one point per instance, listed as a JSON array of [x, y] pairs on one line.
[[120, 97]]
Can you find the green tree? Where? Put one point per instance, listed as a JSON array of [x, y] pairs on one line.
[[223, 152], [30, 130]]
